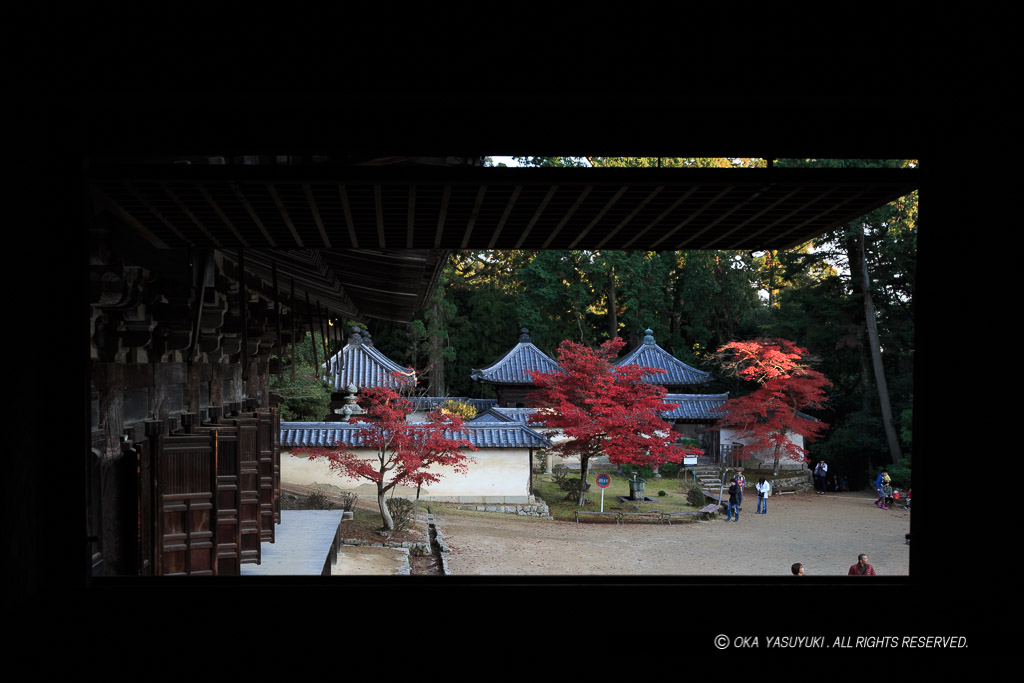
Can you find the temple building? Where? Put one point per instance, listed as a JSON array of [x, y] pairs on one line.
[[362, 365], [499, 473], [509, 375], [678, 375]]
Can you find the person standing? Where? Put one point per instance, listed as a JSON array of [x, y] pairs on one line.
[[880, 480], [797, 569], [764, 489], [862, 568], [820, 476], [733, 511], [741, 481]]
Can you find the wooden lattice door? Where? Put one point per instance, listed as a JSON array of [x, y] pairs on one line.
[[249, 490], [184, 481], [267, 434]]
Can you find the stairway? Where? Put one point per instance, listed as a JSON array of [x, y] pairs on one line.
[[709, 478]]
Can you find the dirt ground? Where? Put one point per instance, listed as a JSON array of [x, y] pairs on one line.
[[825, 533]]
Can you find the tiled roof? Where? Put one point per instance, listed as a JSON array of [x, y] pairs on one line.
[[649, 355], [365, 366], [512, 368], [496, 414], [431, 402], [694, 406], [480, 434]]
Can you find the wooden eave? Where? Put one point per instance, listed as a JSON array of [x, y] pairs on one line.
[[333, 206]]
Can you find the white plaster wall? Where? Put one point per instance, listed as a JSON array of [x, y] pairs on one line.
[[495, 475], [785, 462]]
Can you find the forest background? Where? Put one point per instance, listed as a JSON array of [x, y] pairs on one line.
[[847, 296]]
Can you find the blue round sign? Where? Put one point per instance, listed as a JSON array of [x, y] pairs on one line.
[[603, 480]]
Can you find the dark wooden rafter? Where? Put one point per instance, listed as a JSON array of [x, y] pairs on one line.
[[473, 216], [567, 216], [359, 207], [156, 212], [316, 215], [794, 226], [724, 237], [597, 218], [625, 221], [379, 214], [710, 225], [191, 216], [442, 215], [220, 213], [349, 223], [240, 195], [504, 216], [672, 207], [284, 214], [410, 218], [536, 216]]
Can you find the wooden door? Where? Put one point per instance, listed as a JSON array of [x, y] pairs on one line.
[[265, 422], [249, 489], [229, 498], [276, 417], [184, 481]]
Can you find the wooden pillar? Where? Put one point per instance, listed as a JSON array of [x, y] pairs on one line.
[[217, 384], [193, 386], [264, 381]]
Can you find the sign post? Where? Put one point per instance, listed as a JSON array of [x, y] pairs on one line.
[[603, 480]]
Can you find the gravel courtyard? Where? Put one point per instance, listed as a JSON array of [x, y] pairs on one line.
[[825, 533]]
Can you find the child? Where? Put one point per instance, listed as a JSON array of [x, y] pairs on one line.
[[887, 494]]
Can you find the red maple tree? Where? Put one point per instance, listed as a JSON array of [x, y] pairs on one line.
[[405, 451], [768, 415], [605, 409]]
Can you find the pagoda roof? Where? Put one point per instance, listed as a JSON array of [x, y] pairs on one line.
[[351, 434], [696, 407], [365, 366], [649, 355], [512, 368]]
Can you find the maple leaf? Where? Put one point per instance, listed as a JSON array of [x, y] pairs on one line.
[[405, 452], [605, 409], [767, 417]]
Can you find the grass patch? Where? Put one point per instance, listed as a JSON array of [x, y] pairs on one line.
[[674, 501]]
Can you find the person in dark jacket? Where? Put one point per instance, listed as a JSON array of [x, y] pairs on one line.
[[733, 511]]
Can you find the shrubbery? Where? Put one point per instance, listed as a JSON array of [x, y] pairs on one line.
[[696, 497], [401, 511]]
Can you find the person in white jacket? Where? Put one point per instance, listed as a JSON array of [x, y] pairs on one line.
[[764, 489]]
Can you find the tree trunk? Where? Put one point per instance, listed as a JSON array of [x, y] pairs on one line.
[[385, 514], [584, 466], [876, 356]]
